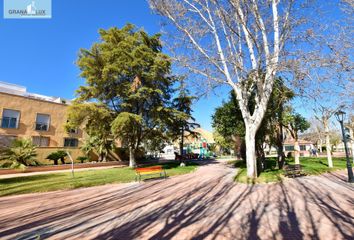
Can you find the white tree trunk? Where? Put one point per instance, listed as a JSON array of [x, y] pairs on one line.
[[328, 146], [132, 162], [297, 152], [321, 142], [329, 150], [353, 151], [351, 131], [251, 159]]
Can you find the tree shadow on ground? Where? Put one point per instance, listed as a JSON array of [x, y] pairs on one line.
[[195, 206]]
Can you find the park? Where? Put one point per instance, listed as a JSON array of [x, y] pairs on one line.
[[183, 119]]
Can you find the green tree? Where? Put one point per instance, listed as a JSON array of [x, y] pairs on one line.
[[228, 121], [95, 119], [281, 95], [21, 153], [224, 144], [128, 73], [295, 124], [55, 156], [183, 121]]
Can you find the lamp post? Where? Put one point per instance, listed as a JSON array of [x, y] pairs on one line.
[[340, 117]]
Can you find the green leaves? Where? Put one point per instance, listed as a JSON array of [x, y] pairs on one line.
[[57, 155], [126, 126], [21, 153], [126, 122], [294, 122], [129, 85], [228, 120]]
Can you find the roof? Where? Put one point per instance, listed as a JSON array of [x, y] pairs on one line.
[[22, 91], [208, 136], [292, 141]]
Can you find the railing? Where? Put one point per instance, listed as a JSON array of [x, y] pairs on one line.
[[41, 126], [9, 122]]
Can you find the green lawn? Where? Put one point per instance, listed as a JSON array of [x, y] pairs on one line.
[[60, 181], [310, 166]]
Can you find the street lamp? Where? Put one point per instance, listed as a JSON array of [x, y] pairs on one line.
[[340, 117]]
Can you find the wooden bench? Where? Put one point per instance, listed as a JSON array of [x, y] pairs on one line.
[[293, 170], [149, 171]]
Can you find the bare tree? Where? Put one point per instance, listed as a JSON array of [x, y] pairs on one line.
[[350, 126], [234, 42], [315, 133], [323, 114], [323, 75]]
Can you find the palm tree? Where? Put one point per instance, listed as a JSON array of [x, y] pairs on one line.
[[55, 156], [100, 145], [21, 153]]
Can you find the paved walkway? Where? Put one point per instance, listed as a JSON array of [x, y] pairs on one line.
[[206, 204]]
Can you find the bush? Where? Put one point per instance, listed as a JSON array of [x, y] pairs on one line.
[[21, 153], [123, 154], [55, 156], [82, 159]]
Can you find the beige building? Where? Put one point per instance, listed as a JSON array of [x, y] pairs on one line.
[[41, 118]]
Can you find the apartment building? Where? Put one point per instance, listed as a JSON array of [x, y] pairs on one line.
[[41, 118]]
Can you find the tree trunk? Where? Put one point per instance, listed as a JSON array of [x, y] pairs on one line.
[[62, 160], [351, 131], [328, 145], [353, 151], [280, 147], [329, 151], [182, 142], [321, 144], [132, 162], [297, 151], [56, 162], [251, 160]]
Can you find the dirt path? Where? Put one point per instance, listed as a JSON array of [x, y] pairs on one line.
[[206, 204]]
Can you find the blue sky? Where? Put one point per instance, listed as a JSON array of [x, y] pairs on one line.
[[41, 53]]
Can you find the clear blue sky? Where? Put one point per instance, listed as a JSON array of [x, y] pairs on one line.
[[41, 53]]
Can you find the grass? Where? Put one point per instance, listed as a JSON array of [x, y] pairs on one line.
[[310, 166], [89, 178]]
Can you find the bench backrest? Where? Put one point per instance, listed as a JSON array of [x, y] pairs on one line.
[[149, 169]]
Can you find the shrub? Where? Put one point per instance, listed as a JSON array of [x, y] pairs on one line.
[[82, 159], [55, 156], [21, 153]]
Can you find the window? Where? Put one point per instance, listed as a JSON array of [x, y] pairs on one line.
[[289, 148], [71, 142], [302, 147], [40, 141], [10, 118], [73, 130], [6, 141], [42, 122]]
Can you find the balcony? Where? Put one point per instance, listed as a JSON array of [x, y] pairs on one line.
[[9, 122], [41, 126]]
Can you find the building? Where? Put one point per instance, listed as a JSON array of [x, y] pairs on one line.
[[305, 147], [41, 118], [198, 143]]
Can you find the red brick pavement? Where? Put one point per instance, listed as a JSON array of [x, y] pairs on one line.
[[206, 204]]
